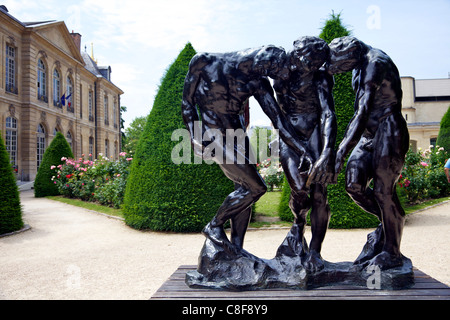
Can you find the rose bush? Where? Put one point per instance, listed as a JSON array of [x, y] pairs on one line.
[[271, 172], [101, 180], [423, 175]]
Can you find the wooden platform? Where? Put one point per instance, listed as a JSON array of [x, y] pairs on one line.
[[425, 288]]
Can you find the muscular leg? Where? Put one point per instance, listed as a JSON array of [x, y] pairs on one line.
[[359, 173], [320, 217], [391, 142], [250, 188], [299, 201]]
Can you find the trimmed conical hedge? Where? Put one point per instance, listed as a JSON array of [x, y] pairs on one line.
[[10, 208], [344, 212], [161, 195], [443, 139], [58, 148]]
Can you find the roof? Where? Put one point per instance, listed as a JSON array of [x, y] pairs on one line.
[[432, 88]]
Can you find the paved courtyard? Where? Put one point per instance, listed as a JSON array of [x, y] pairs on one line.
[[74, 253]]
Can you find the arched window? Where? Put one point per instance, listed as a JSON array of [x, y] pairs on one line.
[[42, 82], [11, 140], [69, 138], [40, 144], [56, 89], [69, 95], [55, 131]]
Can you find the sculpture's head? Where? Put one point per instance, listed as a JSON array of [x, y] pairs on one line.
[[345, 54], [271, 62], [309, 54]]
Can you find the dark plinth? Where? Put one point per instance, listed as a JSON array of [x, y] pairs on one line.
[[229, 268], [425, 288]]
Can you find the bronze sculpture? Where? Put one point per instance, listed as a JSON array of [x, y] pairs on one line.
[[219, 84], [216, 87], [306, 100], [379, 137]]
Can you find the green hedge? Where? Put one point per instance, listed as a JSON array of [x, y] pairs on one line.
[[58, 148], [344, 212], [161, 195], [10, 208], [443, 139]]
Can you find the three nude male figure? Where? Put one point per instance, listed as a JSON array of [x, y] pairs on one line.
[[216, 87]]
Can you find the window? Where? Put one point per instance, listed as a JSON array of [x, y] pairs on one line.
[[55, 131], [91, 147], [107, 148], [105, 102], [91, 113], [69, 139], [433, 142], [42, 81], [69, 95], [40, 148], [56, 89], [11, 70], [81, 101], [11, 140], [115, 114]]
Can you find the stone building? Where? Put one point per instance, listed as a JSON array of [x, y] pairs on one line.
[[47, 84], [424, 104]]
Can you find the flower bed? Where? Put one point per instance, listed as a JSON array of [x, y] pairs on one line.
[[101, 180], [423, 175]]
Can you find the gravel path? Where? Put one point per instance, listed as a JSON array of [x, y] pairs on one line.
[[73, 253]]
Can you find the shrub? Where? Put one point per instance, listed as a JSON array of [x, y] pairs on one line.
[[443, 139], [423, 175], [101, 180], [10, 208], [272, 173], [58, 148], [161, 195]]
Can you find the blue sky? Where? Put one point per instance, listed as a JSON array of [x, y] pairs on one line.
[[140, 39]]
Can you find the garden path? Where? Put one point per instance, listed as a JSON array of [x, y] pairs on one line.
[[73, 253]]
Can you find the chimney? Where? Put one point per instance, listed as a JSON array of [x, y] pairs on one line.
[[77, 39]]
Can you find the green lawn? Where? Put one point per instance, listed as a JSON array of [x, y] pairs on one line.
[[268, 204]]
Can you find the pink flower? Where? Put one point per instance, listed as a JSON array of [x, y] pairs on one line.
[[122, 154], [118, 175], [52, 167], [407, 183], [129, 159], [424, 164]]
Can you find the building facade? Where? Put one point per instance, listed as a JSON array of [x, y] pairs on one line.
[[424, 104], [47, 84]]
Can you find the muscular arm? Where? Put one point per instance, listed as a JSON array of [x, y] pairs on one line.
[[365, 96], [264, 96], [323, 169], [188, 108]]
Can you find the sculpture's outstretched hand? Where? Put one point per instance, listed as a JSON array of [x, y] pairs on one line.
[[322, 172]]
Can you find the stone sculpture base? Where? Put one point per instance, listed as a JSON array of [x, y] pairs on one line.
[[241, 271]]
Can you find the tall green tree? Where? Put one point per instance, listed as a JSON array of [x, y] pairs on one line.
[[160, 194], [10, 208], [58, 148], [443, 139], [344, 212]]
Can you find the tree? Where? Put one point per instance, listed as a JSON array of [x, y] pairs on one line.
[[133, 133], [58, 148], [10, 208], [443, 139], [160, 194], [344, 212]]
